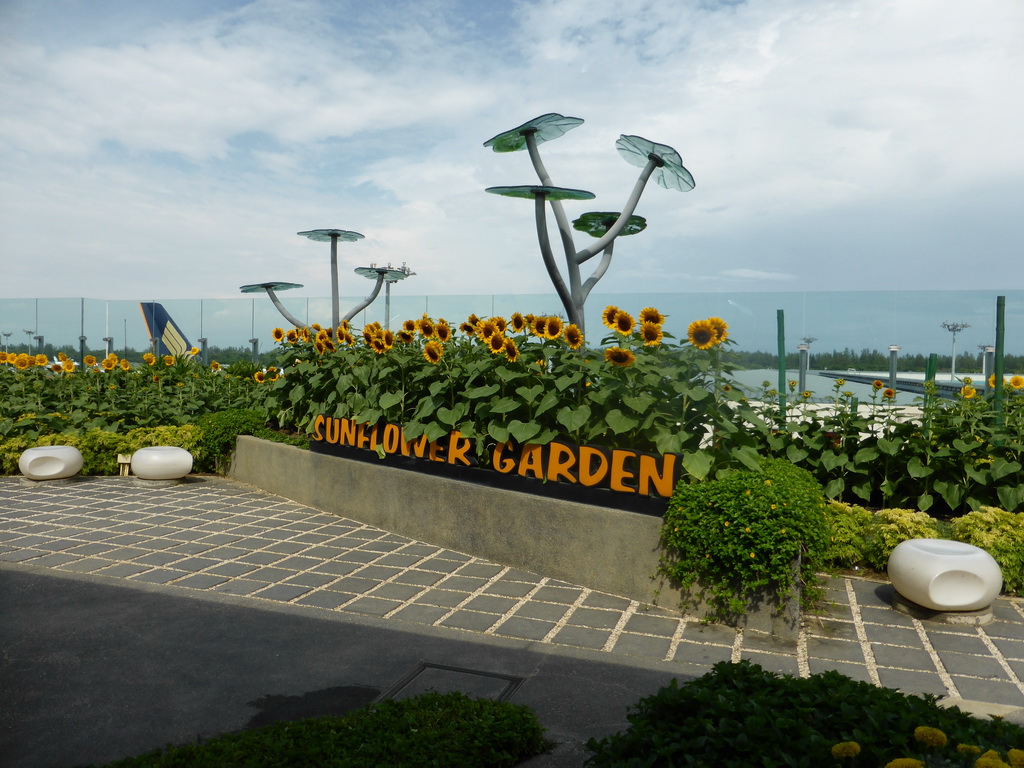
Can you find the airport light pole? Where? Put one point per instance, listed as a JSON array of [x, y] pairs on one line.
[[954, 328], [386, 275]]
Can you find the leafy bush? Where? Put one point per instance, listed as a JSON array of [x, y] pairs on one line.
[[891, 526], [739, 715], [219, 431], [743, 532], [1001, 534], [435, 730], [848, 525]]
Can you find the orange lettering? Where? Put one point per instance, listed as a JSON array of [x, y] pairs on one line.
[[664, 482], [500, 462], [436, 451], [392, 435], [561, 459], [530, 461], [317, 423], [347, 433], [417, 446], [331, 432], [458, 447], [587, 454], [619, 474]]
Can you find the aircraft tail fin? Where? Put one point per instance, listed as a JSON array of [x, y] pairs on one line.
[[170, 339]]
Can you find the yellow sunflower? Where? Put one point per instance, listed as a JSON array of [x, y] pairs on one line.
[[889, 394], [409, 325], [619, 356], [485, 329], [702, 334], [930, 737], [651, 315], [61, 357], [368, 333], [57, 367], [388, 338], [22, 362], [573, 336], [108, 364], [623, 322], [651, 333], [473, 319], [518, 322], [500, 322], [406, 337], [608, 316], [3, 356], [433, 351], [426, 327], [90, 360], [877, 384], [720, 327], [125, 365], [328, 344], [511, 350], [214, 366], [1017, 382], [278, 334], [967, 392], [539, 326], [467, 329], [260, 377], [316, 327], [553, 327], [342, 330], [41, 360], [377, 345], [168, 360], [496, 343], [443, 331], [292, 336]]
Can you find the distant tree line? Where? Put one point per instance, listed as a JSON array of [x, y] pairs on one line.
[[871, 360], [224, 355]]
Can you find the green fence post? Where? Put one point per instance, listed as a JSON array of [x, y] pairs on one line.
[[781, 322], [997, 404]]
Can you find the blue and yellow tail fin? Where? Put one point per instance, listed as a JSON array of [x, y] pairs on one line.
[[170, 340]]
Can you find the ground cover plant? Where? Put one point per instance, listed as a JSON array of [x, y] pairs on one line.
[[744, 532], [740, 715], [432, 730]]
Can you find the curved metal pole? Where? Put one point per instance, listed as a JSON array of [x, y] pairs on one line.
[[597, 274], [368, 300], [280, 308], [638, 189], [335, 298], [549, 259], [564, 231]]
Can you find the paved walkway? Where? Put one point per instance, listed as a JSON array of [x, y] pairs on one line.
[[215, 535]]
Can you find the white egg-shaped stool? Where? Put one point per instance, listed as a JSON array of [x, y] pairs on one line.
[[944, 576], [161, 462], [50, 462]]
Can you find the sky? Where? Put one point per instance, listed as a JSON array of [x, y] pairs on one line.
[[173, 150]]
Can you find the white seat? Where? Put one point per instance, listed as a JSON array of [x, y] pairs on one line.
[[50, 462], [161, 462], [945, 575]]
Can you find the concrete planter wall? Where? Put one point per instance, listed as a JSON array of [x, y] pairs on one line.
[[605, 549]]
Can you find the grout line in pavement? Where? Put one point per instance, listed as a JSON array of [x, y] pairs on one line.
[[862, 636]]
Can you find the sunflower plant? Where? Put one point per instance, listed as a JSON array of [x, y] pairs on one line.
[[525, 379]]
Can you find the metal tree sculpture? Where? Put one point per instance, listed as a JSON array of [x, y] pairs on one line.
[[657, 160]]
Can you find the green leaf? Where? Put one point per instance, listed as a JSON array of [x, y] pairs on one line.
[[835, 487], [498, 431], [523, 431], [478, 392], [638, 403], [297, 394], [796, 455], [1001, 468], [529, 394], [504, 405], [888, 447], [549, 401], [831, 460], [916, 469], [573, 419], [748, 457], [697, 463], [925, 501], [389, 399], [619, 422], [964, 447], [1009, 497], [866, 454]]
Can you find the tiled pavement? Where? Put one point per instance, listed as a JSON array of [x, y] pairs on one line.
[[215, 535]]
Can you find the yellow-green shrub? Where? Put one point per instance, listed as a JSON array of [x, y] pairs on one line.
[[891, 526], [848, 526], [1001, 534]]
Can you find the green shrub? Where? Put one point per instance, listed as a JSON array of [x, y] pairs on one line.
[[1001, 534], [742, 532], [739, 715], [891, 526], [848, 526], [432, 729], [219, 432]]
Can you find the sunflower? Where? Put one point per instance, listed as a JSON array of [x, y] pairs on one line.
[[623, 323], [368, 333], [125, 365], [720, 327], [377, 345], [318, 345], [473, 320], [426, 327], [1017, 382], [168, 360], [889, 394], [877, 384], [108, 364], [409, 325], [651, 315], [388, 338], [539, 326], [702, 334], [967, 392], [806, 395], [518, 322], [214, 366], [406, 337], [553, 327], [149, 358], [348, 339], [433, 351], [3, 357], [342, 330], [260, 377], [90, 360], [511, 350], [278, 334], [61, 357], [485, 329], [443, 331], [22, 362], [467, 329], [57, 367], [41, 360], [619, 356], [328, 344], [608, 316], [496, 343], [501, 322], [316, 327], [573, 336], [292, 336], [651, 333], [304, 334]]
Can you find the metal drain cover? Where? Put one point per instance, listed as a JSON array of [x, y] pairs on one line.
[[444, 679]]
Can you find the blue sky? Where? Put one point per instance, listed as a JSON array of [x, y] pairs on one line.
[[173, 150]]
